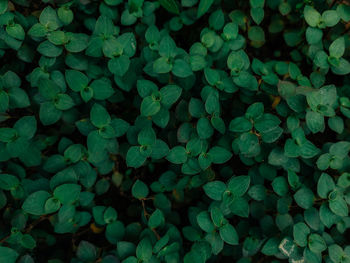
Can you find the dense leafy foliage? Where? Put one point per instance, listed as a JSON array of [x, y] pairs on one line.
[[174, 131]]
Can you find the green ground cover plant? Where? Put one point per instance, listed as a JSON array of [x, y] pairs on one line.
[[149, 131]]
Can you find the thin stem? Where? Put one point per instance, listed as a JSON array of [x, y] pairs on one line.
[[29, 227]]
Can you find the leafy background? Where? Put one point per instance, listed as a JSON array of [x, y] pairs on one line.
[[174, 131]]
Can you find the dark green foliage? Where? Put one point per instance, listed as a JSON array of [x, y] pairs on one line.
[[174, 131]]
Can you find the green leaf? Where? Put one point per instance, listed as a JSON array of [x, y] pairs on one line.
[[140, 190], [304, 198], [76, 80], [18, 98], [38, 30], [336, 123], [284, 8], [87, 94], [130, 259], [338, 206], [218, 124], [159, 150], [204, 161], [239, 206], [67, 193], [8, 182], [48, 89], [8, 255], [49, 114], [229, 234], [150, 106], [156, 219], [344, 12], [271, 247], [86, 251], [256, 34], [310, 256], [115, 232], [215, 189], [344, 180], [316, 243], [75, 42], [255, 111], [48, 49], [204, 222], [167, 47], [27, 241], [212, 104], [134, 157], [7, 134], [58, 38], [330, 18], [4, 101], [336, 253], [240, 124], [52, 205], [35, 203], [197, 62], [216, 242], [340, 149], [325, 185], [203, 7], [219, 155], [147, 136], [300, 234], [342, 68], [267, 123], [99, 116], [204, 128], [65, 15], [144, 250], [49, 19], [26, 126], [217, 217], [257, 192], [119, 65], [107, 132], [120, 126], [162, 65], [327, 217], [212, 76], [238, 185], [146, 88], [177, 155], [337, 48], [230, 31], [170, 5], [257, 14], [3, 6], [313, 35], [312, 16], [102, 89], [315, 121], [152, 34], [280, 185], [15, 31], [181, 68], [63, 102], [169, 95]]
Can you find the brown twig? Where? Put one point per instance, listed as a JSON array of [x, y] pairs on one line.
[[332, 3], [29, 227], [147, 215]]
